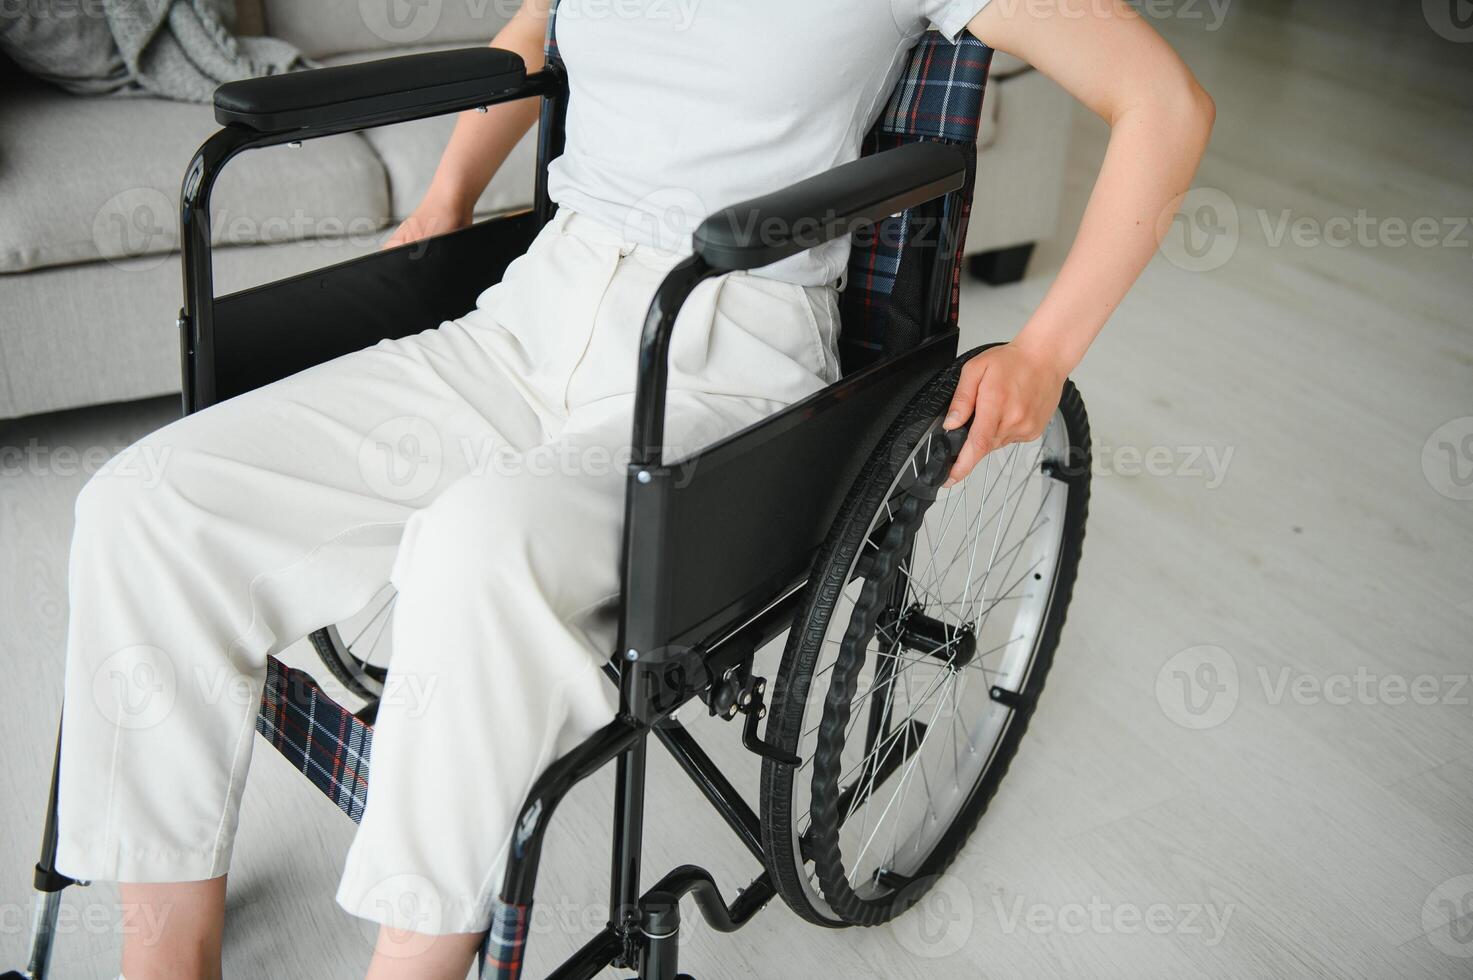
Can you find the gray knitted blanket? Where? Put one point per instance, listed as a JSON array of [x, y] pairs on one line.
[[180, 49], [174, 49]]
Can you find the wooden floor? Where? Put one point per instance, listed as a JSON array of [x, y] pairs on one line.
[[1255, 756]]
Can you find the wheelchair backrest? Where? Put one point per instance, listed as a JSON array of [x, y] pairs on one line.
[[884, 305]]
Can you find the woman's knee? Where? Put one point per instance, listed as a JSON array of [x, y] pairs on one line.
[[129, 488], [551, 534]]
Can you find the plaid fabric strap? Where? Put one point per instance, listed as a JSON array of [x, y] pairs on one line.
[[940, 94], [501, 957], [317, 735], [939, 98]]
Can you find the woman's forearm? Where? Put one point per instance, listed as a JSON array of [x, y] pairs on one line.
[[1154, 150], [1106, 55], [483, 140]]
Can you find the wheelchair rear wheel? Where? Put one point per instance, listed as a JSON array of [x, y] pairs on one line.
[[356, 650], [926, 631]]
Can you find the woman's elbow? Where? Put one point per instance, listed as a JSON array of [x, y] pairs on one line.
[[1175, 103], [1183, 108], [1190, 106], [1204, 108]]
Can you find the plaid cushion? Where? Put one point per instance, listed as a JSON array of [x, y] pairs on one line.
[[501, 957], [317, 735]]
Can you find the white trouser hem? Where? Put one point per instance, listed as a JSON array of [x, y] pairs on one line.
[[411, 903], [141, 866]]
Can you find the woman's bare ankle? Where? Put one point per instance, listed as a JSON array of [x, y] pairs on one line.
[[173, 930]]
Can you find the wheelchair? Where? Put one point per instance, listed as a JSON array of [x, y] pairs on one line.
[[921, 620]]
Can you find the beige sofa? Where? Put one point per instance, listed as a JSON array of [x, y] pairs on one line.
[[89, 274]]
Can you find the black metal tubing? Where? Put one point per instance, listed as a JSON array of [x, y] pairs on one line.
[[654, 359], [604, 948], [943, 273], [689, 879], [628, 849], [714, 786], [196, 318], [624, 740], [47, 878], [551, 132], [547, 792]]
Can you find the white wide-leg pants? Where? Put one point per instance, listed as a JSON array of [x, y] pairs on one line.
[[478, 466]]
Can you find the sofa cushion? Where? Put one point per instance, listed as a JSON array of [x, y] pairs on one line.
[[327, 27], [89, 178], [104, 333], [411, 151]]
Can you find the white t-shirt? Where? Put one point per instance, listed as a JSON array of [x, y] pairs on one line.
[[682, 107]]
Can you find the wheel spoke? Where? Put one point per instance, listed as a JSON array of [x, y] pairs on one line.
[[382, 612]]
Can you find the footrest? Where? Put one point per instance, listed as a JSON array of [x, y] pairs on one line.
[[321, 738]]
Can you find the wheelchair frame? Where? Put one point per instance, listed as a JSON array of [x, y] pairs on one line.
[[681, 635]]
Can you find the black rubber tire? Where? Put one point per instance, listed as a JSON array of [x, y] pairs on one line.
[[333, 655], [829, 575]]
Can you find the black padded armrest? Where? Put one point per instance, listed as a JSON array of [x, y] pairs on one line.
[[831, 205], [408, 86]]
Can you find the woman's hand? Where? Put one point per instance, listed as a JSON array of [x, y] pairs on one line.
[[431, 218], [1009, 393], [1104, 53], [481, 141]]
